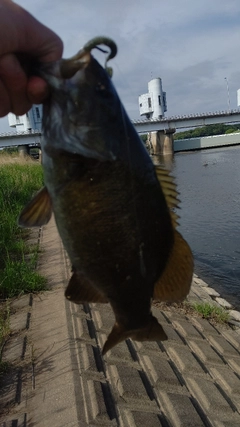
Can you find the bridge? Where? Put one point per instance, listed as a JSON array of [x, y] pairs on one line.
[[163, 129], [12, 139], [187, 121]]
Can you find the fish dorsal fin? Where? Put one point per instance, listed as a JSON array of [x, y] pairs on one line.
[[38, 211], [170, 192], [174, 284], [81, 290]]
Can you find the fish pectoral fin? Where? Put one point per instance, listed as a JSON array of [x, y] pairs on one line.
[[174, 284], [38, 211], [152, 332], [81, 290]]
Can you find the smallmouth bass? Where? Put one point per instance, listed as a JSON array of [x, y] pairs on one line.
[[113, 208]]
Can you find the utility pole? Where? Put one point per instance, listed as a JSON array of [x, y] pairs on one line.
[[228, 96]]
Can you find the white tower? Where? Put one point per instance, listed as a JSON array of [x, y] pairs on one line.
[[32, 120], [153, 104], [238, 97]]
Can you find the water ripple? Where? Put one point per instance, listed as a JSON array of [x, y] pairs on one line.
[[209, 185]]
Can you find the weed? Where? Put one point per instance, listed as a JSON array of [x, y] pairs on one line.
[[210, 311], [19, 180]]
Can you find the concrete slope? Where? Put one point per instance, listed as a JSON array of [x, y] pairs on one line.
[[193, 379]]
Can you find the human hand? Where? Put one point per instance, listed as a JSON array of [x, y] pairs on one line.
[[21, 33]]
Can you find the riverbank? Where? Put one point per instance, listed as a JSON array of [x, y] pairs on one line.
[[202, 292], [60, 378]]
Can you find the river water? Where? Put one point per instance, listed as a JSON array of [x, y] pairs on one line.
[[209, 186]]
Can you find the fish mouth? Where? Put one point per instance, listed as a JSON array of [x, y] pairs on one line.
[[69, 67]]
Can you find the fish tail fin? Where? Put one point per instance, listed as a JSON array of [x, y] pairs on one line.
[[152, 332]]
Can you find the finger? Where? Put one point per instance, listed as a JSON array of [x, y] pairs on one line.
[[5, 104], [15, 82], [37, 90]]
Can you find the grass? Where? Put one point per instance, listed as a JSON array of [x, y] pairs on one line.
[[19, 180], [211, 312], [207, 311]]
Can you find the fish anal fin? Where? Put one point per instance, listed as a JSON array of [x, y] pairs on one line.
[[38, 211], [81, 290], [152, 332], [174, 284]]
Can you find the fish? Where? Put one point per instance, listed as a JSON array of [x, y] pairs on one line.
[[115, 211]]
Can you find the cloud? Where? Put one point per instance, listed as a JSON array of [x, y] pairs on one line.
[[192, 45]]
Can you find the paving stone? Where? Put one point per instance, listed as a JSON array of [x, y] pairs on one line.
[[149, 347], [87, 358], [231, 423], [8, 389], [180, 410], [160, 373], [234, 363], [105, 317], [13, 349], [21, 302], [172, 336], [138, 418], [139, 384], [193, 298], [173, 315], [156, 311], [96, 404], [186, 329], [223, 302], [228, 381], [18, 420], [199, 282], [204, 326], [205, 353], [222, 346], [19, 321], [211, 292], [235, 314], [201, 292], [129, 386], [185, 361], [209, 397], [97, 318], [120, 354], [232, 337], [82, 328]]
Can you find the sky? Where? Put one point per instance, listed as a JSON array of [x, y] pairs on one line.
[[192, 45]]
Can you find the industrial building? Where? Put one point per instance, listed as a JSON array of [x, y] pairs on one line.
[[32, 120], [153, 104]]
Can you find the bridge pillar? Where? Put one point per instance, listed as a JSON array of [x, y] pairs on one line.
[[162, 142], [23, 150], [40, 155]]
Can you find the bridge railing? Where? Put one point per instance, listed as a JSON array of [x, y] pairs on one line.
[[16, 134], [188, 116]]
